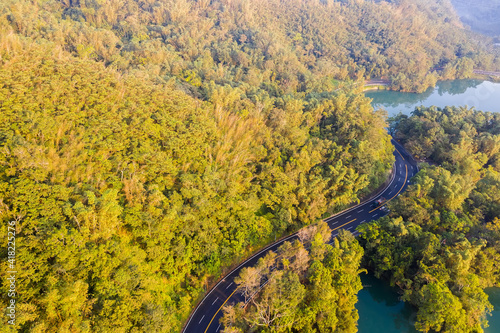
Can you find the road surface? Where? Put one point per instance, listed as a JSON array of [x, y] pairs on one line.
[[481, 72], [377, 82], [205, 318]]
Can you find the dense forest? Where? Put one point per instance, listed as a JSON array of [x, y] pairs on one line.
[[130, 194], [145, 146], [285, 46], [441, 242], [310, 286]]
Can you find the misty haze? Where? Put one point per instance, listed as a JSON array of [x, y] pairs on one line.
[[481, 15]]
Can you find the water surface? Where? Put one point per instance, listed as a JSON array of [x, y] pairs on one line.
[[483, 95], [381, 311], [494, 320]]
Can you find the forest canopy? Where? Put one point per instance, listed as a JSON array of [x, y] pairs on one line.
[[281, 46], [310, 285], [145, 146], [138, 193]]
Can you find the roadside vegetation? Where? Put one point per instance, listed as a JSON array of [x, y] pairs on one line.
[[146, 146], [307, 286], [441, 242], [129, 195]]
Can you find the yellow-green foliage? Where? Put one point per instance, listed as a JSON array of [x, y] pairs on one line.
[[147, 145], [129, 194], [286, 46], [304, 291]]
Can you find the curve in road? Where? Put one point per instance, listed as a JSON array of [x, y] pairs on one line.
[[205, 318]]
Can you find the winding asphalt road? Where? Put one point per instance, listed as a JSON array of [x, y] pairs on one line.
[[205, 318]]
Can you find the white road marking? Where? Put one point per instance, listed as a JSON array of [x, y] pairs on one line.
[[217, 330], [267, 249], [349, 228], [335, 223], [348, 216], [215, 300], [201, 319]]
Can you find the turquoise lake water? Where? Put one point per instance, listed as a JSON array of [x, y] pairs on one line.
[[381, 311], [482, 95], [494, 320]]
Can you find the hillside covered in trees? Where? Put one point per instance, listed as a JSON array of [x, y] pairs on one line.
[[287, 46], [441, 243], [130, 194], [145, 146]]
